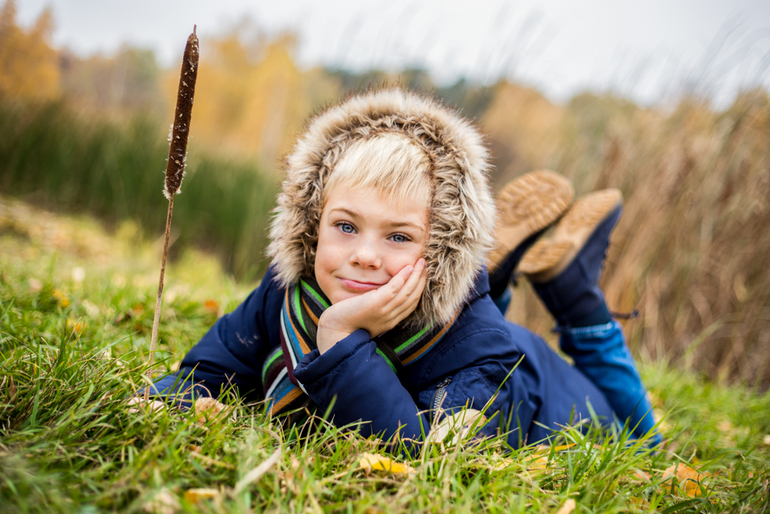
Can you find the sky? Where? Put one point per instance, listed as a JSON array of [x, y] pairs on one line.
[[649, 51]]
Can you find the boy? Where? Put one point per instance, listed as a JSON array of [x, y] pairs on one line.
[[376, 307]]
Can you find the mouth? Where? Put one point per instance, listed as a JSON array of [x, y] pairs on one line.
[[360, 286]]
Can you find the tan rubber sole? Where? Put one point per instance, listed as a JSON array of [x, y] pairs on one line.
[[549, 257], [525, 206]]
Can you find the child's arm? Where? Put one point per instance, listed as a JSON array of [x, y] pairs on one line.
[[231, 353], [353, 383], [347, 378]]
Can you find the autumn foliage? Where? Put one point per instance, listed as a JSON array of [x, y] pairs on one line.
[[29, 67]]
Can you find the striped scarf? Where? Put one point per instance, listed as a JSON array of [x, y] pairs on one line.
[[303, 305]]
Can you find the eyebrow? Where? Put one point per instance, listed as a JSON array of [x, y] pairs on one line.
[[393, 224]]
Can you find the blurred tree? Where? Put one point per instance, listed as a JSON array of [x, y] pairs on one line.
[[128, 80], [29, 68], [251, 97]]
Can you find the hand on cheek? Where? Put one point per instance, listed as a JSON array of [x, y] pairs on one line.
[[376, 311]]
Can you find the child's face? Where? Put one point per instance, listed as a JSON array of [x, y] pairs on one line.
[[365, 239]]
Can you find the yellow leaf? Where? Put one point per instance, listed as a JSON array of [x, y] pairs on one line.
[[687, 479], [502, 464], [195, 495], [75, 326], [61, 298], [371, 462]]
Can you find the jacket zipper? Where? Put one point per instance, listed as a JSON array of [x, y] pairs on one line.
[[438, 396]]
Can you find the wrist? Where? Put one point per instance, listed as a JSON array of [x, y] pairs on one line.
[[330, 332]]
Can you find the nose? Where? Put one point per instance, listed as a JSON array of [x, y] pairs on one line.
[[366, 255]]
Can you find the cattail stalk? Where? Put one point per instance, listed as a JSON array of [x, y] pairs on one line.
[[177, 154]]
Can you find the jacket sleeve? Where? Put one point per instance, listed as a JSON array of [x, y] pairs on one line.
[[352, 383], [232, 351]]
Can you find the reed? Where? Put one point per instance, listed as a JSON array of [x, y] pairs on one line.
[[175, 166], [690, 251]]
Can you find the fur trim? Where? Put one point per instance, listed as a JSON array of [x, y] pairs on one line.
[[462, 213]]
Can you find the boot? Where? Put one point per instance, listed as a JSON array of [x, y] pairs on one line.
[[526, 207], [565, 268]]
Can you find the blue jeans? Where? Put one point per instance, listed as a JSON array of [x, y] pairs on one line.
[[600, 352]]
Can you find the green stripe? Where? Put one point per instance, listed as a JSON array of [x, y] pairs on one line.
[[269, 362], [315, 294], [298, 310], [412, 339], [387, 360]]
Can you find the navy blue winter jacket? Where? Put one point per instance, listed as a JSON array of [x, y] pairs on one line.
[[466, 368]]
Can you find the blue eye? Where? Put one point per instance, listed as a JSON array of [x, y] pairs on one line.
[[399, 238], [346, 228]]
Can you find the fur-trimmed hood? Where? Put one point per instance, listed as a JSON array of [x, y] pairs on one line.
[[462, 212]]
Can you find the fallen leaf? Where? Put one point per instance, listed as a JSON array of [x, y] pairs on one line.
[[209, 409], [503, 464], [61, 298], [371, 462], [568, 507], [193, 496], [255, 474], [686, 479], [162, 503], [538, 464], [211, 306], [139, 402], [458, 424]]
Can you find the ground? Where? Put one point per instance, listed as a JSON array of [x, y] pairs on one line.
[[76, 308]]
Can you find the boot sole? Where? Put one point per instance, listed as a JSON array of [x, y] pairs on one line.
[[549, 257], [525, 206]]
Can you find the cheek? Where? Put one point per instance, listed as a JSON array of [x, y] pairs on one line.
[[402, 259]]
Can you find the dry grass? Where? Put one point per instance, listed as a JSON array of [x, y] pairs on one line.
[[691, 250]]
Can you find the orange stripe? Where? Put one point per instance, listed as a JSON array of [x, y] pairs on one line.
[[310, 313], [427, 346], [302, 343], [287, 399]]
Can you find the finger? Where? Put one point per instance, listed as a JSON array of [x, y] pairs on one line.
[[410, 294], [412, 284], [396, 283]]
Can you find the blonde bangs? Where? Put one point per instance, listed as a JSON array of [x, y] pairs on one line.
[[390, 163]]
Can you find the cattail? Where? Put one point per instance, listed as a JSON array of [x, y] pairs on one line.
[[177, 153]]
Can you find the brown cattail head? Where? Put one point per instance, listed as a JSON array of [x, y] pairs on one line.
[[180, 131]]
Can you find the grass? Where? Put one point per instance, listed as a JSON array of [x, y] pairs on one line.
[[75, 316]]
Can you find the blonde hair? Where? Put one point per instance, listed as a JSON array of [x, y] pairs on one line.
[[390, 163]]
